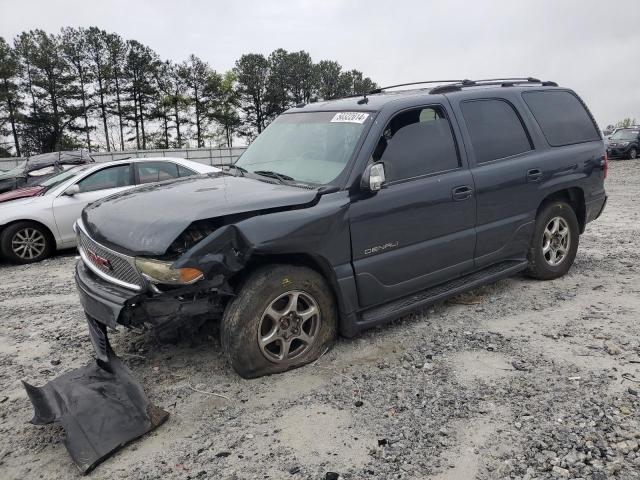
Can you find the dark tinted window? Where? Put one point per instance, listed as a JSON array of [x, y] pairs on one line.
[[495, 129], [149, 172], [417, 142], [111, 177], [562, 117], [185, 172]]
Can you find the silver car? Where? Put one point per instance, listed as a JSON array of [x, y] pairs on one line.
[[37, 220]]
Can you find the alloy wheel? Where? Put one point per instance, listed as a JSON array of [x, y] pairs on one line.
[[28, 243], [289, 326], [556, 241]]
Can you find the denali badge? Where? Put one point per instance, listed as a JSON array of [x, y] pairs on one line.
[[380, 248], [98, 261]]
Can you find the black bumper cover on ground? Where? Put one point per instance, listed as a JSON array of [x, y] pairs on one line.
[[100, 410]]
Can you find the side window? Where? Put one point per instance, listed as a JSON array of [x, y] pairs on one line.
[[417, 142], [149, 172], [110, 177], [185, 172], [495, 129], [562, 117]]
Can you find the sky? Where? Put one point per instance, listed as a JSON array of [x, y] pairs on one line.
[[590, 46]]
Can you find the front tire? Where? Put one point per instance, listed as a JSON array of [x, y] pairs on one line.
[[555, 242], [26, 242], [633, 154], [283, 317]]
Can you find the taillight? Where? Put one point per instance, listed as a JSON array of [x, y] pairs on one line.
[[605, 164]]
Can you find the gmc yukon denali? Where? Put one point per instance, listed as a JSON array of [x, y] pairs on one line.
[[349, 213]]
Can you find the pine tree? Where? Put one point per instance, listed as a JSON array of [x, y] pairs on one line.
[[10, 102], [252, 72], [74, 48], [96, 44], [53, 89], [302, 77], [328, 74], [278, 94], [117, 54], [139, 71], [225, 109], [202, 84]]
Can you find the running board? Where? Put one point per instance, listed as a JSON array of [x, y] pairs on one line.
[[397, 308]]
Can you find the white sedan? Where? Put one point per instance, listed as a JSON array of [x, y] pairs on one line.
[[39, 220]]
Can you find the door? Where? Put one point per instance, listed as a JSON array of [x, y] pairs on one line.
[[418, 230], [507, 173], [96, 185]]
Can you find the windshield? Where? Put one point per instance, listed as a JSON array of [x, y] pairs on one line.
[[312, 147], [61, 177], [625, 135]]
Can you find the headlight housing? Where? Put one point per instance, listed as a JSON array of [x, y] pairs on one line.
[[158, 271]]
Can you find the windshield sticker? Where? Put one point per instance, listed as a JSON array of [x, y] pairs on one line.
[[350, 117]]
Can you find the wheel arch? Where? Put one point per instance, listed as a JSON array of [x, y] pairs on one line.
[[313, 262], [574, 196], [46, 228]]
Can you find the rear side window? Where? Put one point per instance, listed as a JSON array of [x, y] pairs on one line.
[[496, 130], [185, 172], [149, 172], [562, 117], [417, 142]]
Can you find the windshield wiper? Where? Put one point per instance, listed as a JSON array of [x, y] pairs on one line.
[[243, 171], [271, 174]]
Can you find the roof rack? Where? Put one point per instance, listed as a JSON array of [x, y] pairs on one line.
[[505, 82], [381, 89], [455, 85]]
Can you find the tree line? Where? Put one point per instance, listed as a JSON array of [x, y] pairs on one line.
[[88, 88]]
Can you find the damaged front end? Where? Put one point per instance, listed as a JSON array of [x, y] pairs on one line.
[[170, 270], [101, 406]]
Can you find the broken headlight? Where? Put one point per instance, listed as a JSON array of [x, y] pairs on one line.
[[158, 271]]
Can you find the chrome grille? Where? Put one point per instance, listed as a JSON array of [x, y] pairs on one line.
[[110, 265]]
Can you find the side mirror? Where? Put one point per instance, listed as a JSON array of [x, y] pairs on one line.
[[373, 177], [72, 190]]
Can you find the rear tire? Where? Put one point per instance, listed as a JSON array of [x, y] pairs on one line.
[[26, 242], [283, 317], [633, 154], [555, 241]]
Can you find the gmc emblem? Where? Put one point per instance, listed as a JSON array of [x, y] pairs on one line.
[[98, 261]]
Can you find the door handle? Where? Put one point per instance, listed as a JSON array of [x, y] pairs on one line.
[[534, 175], [461, 193]]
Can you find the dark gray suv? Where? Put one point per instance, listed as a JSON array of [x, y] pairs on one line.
[[349, 213]]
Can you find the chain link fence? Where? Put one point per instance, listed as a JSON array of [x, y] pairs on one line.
[[209, 156]]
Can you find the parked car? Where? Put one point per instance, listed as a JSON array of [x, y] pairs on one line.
[[38, 168], [346, 214], [624, 143], [36, 220]]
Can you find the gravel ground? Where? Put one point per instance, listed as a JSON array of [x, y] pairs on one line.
[[520, 379]]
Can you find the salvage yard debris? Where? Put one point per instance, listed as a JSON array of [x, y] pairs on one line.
[[100, 410]]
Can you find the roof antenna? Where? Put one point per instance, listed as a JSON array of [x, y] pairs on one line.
[[364, 99]]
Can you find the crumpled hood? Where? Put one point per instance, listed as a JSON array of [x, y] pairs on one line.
[[21, 193], [146, 220]]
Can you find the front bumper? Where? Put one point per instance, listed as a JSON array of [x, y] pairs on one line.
[[107, 305], [101, 300], [618, 151]]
